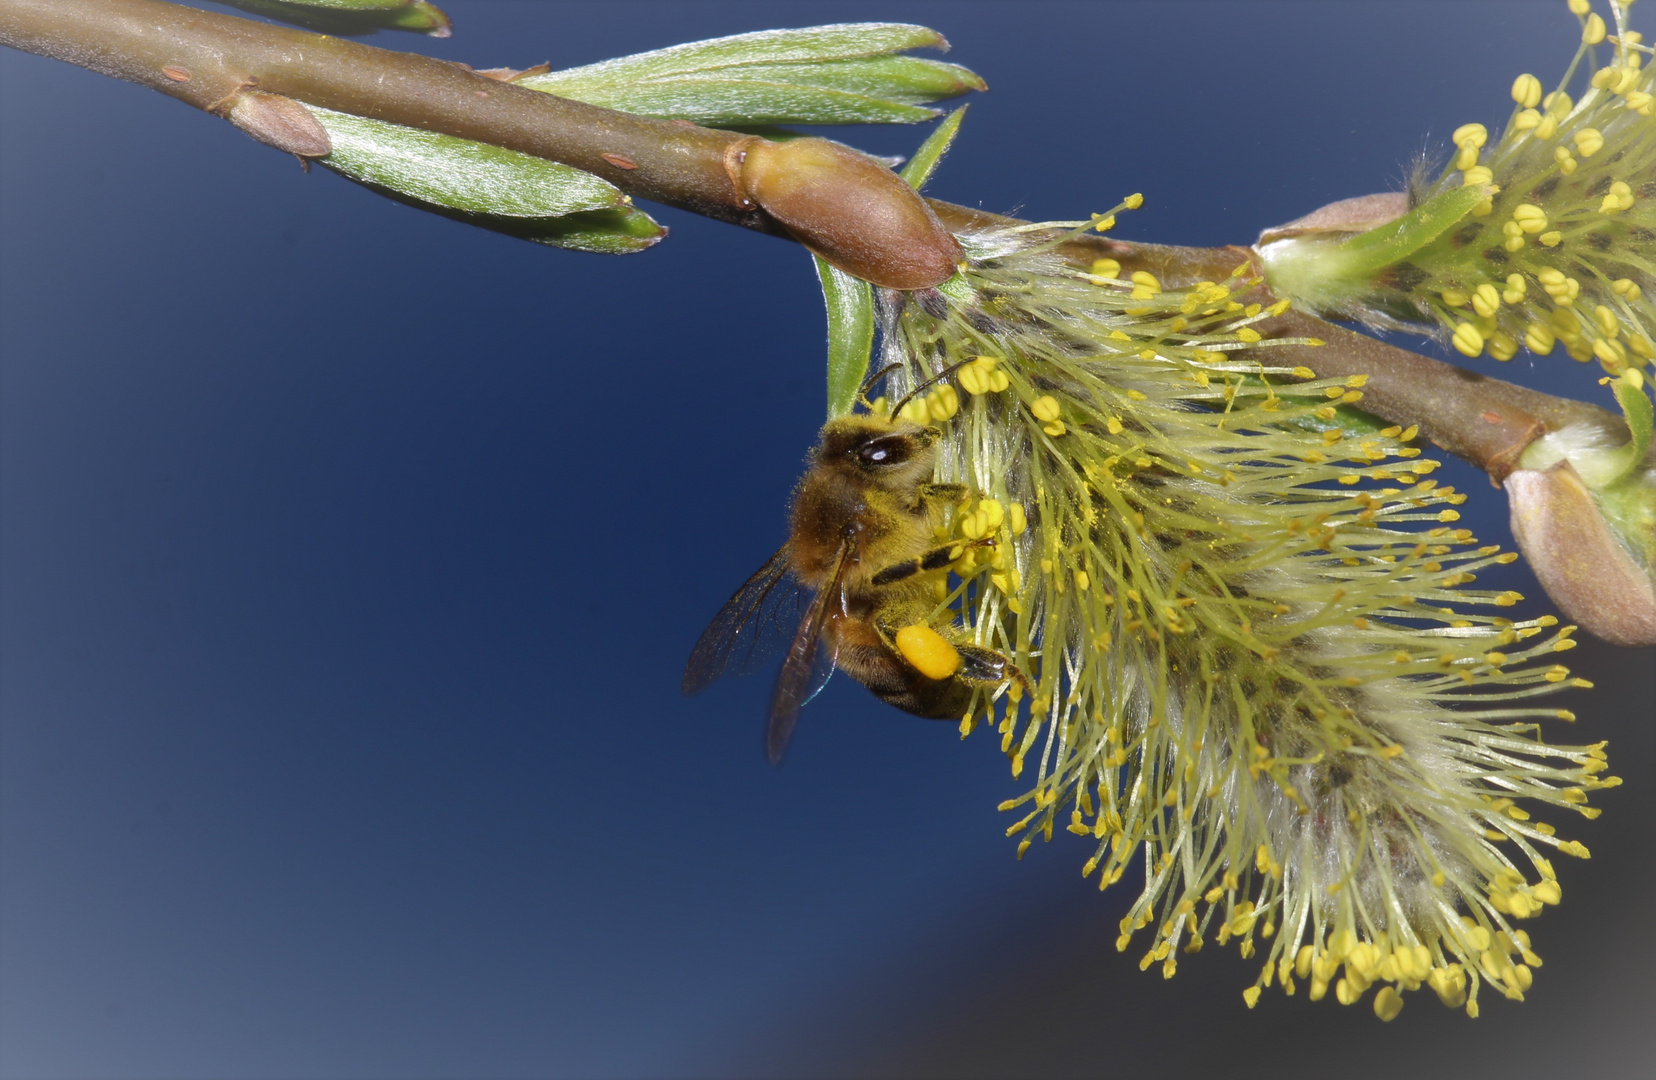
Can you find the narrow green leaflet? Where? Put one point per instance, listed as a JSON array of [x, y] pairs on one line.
[[1638, 412], [1370, 252], [484, 185], [850, 303], [843, 74], [925, 159], [1326, 275], [354, 16], [850, 300]]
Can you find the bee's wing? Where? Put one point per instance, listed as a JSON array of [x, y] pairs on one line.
[[750, 628], [809, 662]]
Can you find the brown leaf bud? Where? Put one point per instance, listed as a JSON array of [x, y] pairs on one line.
[[848, 208], [280, 122], [1356, 215], [1588, 572]]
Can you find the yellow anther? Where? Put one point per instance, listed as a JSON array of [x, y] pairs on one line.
[[1467, 340], [929, 652], [1388, 1003], [1551, 239], [1455, 298], [1145, 285], [981, 376], [1607, 321], [1592, 31], [1045, 408], [1618, 198], [1588, 141], [1133, 201], [942, 403], [1526, 120], [1486, 300], [1469, 137], [1530, 218], [1106, 268], [1526, 91], [1477, 174], [1626, 287], [1016, 519], [1450, 984], [1580, 7]]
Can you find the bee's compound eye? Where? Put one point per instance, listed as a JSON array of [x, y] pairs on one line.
[[883, 452]]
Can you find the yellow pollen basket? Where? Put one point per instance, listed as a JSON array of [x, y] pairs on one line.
[[929, 652]]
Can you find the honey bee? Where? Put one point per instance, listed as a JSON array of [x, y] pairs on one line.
[[856, 570]]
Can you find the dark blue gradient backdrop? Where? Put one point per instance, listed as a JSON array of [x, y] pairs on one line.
[[351, 557]]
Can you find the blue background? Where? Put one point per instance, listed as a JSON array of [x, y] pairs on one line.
[[351, 557]]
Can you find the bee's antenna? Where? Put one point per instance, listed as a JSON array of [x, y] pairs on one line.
[[862, 391], [939, 377]]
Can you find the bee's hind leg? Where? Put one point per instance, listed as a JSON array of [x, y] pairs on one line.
[[986, 667]]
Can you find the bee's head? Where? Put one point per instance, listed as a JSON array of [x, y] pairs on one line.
[[872, 450]]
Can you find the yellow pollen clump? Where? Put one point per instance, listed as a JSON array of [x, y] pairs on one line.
[[929, 652]]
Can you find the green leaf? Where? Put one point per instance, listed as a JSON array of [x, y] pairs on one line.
[[843, 74], [1347, 419], [837, 41], [485, 185], [354, 16], [919, 168], [850, 303], [739, 102]]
